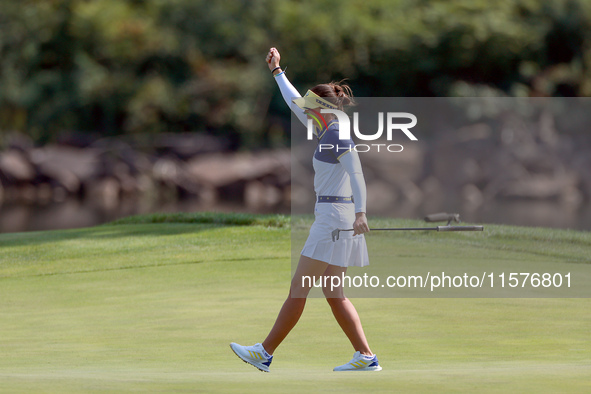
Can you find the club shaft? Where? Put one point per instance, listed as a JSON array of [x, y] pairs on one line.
[[438, 228]]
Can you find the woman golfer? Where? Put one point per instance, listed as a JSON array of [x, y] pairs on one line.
[[341, 196]]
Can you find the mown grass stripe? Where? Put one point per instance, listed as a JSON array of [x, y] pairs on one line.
[[237, 219]]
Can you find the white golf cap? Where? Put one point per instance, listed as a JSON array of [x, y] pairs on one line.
[[311, 100]]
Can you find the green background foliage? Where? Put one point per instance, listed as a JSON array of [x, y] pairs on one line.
[[110, 67]]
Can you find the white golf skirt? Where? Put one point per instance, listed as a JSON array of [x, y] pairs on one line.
[[348, 250]]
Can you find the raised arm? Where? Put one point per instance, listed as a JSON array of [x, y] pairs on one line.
[[288, 91]]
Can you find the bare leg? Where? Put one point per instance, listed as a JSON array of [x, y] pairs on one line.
[[345, 313], [294, 304]]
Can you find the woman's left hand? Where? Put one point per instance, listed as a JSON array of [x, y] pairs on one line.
[[360, 226]]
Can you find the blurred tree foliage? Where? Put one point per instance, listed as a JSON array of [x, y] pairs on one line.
[[143, 66]]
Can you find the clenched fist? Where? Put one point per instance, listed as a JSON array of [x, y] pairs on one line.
[[273, 58]]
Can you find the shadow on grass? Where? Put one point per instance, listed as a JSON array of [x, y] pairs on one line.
[[101, 232], [135, 267]]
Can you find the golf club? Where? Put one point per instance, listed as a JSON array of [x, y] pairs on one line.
[[336, 232]]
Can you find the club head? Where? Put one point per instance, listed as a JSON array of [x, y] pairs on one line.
[[335, 234]]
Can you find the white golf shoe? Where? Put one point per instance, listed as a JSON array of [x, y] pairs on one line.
[[254, 355], [360, 363]]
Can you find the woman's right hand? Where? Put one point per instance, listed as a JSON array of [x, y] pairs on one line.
[[360, 225], [273, 58]]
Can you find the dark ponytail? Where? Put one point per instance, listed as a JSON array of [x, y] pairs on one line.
[[341, 95]]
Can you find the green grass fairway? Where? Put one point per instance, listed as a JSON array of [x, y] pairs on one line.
[[151, 304]]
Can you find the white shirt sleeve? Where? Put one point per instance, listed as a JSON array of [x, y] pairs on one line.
[[289, 92], [352, 166]]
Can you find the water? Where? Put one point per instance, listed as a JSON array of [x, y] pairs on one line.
[[74, 213]]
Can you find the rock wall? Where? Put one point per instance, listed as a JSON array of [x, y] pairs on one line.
[[110, 170], [474, 164]]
